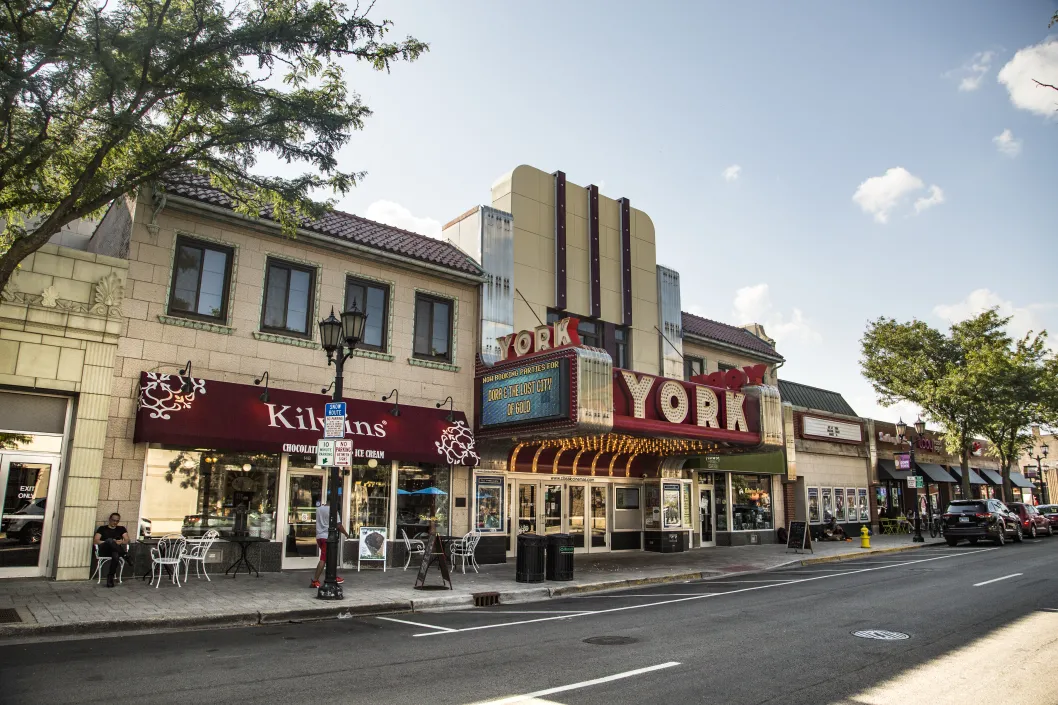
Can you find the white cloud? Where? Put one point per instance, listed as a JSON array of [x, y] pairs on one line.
[[1007, 144], [732, 172], [1023, 318], [868, 406], [935, 198], [881, 195], [753, 304], [972, 73], [398, 216], [1038, 62]]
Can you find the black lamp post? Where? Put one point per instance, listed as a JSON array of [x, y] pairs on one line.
[[1040, 455], [339, 338], [901, 431]]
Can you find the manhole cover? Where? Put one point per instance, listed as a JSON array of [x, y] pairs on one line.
[[610, 640], [881, 634], [8, 615]]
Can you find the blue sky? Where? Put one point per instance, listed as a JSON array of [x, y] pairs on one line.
[[810, 100]]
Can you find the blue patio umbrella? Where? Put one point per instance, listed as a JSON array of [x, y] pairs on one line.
[[429, 490], [400, 491]]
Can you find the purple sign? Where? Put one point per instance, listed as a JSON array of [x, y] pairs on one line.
[[902, 460]]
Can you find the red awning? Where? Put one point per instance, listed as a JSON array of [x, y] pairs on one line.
[[227, 416]]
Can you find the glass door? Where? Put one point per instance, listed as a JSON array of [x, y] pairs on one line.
[[306, 490], [552, 514], [600, 537], [706, 518], [576, 517], [25, 515], [527, 494]]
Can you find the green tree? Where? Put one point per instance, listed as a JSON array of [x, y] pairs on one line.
[[101, 97], [919, 364], [11, 441], [1016, 390]]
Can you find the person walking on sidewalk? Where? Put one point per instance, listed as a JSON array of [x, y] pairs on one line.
[[112, 539], [323, 521]]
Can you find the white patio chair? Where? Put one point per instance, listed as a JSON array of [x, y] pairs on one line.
[[413, 547], [196, 552], [100, 560], [464, 548], [167, 555]]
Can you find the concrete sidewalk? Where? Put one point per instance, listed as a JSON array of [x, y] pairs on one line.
[[65, 608]]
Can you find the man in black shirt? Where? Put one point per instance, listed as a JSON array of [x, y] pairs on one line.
[[112, 539]]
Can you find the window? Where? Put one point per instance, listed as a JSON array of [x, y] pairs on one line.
[[813, 505], [422, 497], [373, 299], [720, 483], [369, 496], [724, 367], [288, 299], [751, 502], [590, 332], [692, 367], [489, 504], [433, 328], [626, 498], [201, 278], [620, 342]]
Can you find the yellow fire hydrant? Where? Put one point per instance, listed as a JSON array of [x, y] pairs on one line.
[[865, 537]]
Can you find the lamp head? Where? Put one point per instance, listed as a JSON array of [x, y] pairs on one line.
[[1045, 449], [353, 322], [920, 426], [330, 333], [901, 428]]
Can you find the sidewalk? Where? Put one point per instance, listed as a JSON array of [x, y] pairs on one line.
[[47, 607]]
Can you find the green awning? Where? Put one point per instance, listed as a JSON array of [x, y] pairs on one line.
[[773, 463]]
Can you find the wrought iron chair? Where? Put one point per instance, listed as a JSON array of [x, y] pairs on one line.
[[196, 552], [100, 560], [464, 548], [167, 555], [413, 547]]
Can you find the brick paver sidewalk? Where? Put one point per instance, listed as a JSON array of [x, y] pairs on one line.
[[50, 607]]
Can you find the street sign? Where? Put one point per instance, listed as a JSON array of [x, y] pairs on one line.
[[334, 408], [325, 452], [343, 452], [334, 421], [914, 481]]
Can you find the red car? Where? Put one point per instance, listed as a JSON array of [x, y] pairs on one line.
[[1051, 512], [1032, 522]]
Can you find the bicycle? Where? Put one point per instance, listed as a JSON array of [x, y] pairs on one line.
[[936, 526]]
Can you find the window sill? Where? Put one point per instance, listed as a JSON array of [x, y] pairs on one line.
[[433, 364], [286, 340], [196, 325], [374, 355]]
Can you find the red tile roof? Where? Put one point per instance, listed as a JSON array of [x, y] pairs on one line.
[[343, 226], [724, 333]]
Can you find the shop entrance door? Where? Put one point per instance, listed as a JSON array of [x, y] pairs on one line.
[[576, 514], [600, 537], [26, 514], [306, 490], [707, 518]]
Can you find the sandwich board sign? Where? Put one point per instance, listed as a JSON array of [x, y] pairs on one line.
[[334, 420]]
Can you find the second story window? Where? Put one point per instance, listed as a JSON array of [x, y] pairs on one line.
[[724, 367], [590, 331], [620, 352], [693, 366], [201, 280], [288, 298], [433, 328], [373, 299]]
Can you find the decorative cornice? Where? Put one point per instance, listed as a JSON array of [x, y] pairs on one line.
[[374, 355], [196, 325], [286, 340], [105, 303], [433, 364]]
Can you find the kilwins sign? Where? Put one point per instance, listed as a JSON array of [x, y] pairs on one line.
[[226, 416]]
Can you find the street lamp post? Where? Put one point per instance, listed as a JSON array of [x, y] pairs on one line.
[[1040, 455], [339, 338], [901, 431]]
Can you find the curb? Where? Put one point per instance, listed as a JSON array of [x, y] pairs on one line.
[[871, 552]]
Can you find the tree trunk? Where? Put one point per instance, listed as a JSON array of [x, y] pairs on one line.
[[1008, 487], [23, 247], [964, 482]]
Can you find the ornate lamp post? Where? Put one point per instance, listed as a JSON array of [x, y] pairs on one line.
[[1040, 455], [901, 431], [339, 338]]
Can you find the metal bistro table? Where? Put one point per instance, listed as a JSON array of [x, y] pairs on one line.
[[244, 543]]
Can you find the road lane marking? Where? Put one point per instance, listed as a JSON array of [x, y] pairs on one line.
[[996, 580], [618, 595], [576, 686], [700, 597], [486, 612], [417, 624]]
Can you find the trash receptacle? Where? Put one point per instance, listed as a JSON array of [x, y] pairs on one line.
[[530, 565], [559, 557]]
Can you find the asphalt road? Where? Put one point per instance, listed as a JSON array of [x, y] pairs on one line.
[[777, 637]]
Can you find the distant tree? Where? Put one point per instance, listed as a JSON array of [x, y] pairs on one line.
[[101, 97], [919, 364], [1054, 21]]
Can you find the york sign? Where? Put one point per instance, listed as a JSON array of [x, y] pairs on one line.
[[681, 402], [562, 334]]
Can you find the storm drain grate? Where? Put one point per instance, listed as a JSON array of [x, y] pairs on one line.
[[9, 615], [881, 634], [486, 599]]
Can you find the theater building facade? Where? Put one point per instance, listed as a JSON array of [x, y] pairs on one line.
[[589, 418]]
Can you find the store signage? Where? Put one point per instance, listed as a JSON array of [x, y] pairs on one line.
[[372, 545], [914, 481], [533, 392], [902, 461], [679, 402], [829, 428], [561, 334]]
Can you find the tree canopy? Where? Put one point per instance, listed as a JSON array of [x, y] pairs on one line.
[[98, 98]]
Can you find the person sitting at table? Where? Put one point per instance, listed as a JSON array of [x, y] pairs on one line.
[[323, 520], [112, 539]]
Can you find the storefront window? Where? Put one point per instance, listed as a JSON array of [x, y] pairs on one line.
[[751, 497], [881, 498], [369, 496], [720, 483], [865, 512], [422, 497], [813, 505], [839, 504], [850, 504], [489, 503], [828, 504], [192, 491]]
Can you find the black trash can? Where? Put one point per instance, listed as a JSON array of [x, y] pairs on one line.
[[530, 565], [559, 557]]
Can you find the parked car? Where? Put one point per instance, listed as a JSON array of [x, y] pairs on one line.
[[27, 523], [1032, 522], [976, 519], [1050, 511]]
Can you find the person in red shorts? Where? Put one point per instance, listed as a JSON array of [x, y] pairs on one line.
[[323, 520]]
